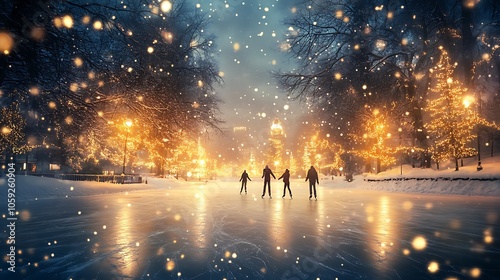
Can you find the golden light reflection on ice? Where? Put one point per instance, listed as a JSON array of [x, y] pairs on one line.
[[123, 240], [383, 231], [278, 229], [199, 226], [407, 205]]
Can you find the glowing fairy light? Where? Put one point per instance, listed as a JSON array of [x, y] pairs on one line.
[[380, 45], [488, 238], [97, 25], [37, 33], [475, 272], [52, 105], [167, 36], [166, 6], [6, 130], [86, 20], [34, 91], [78, 62], [67, 21], [433, 267], [6, 42], [236, 47], [419, 243], [73, 87], [57, 21], [284, 46]]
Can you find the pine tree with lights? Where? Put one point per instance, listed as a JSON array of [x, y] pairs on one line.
[[452, 119]]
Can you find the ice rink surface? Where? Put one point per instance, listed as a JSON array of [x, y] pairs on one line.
[[207, 230]]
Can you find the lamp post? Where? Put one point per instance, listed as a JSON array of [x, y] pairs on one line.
[[164, 162], [478, 106], [128, 124], [400, 130]]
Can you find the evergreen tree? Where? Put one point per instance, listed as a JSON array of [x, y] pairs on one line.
[[452, 118]]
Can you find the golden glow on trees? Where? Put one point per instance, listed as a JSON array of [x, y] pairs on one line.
[[12, 126], [373, 144], [452, 118], [322, 153]]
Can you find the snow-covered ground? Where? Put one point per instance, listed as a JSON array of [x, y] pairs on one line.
[[467, 181], [169, 229]]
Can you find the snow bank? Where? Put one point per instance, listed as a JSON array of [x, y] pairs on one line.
[[467, 181], [33, 188]]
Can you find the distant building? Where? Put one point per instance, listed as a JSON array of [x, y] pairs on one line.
[[276, 149]]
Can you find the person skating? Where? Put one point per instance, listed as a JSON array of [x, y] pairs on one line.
[[266, 174], [312, 176], [243, 180], [286, 181]]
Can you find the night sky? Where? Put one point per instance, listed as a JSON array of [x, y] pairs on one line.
[[249, 35]]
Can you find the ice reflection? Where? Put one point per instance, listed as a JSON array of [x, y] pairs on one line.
[[278, 231], [124, 238], [383, 232], [200, 221]]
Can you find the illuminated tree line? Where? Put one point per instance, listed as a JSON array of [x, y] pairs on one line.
[[355, 58], [75, 68]]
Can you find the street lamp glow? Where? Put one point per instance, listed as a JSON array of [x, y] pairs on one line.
[[128, 123]]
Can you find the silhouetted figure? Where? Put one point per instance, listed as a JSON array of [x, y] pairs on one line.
[[243, 180], [266, 174], [286, 181], [312, 176]]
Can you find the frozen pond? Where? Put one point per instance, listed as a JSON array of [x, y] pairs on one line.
[[210, 231]]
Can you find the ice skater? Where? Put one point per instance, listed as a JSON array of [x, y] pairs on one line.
[[286, 181], [243, 180], [266, 174], [312, 176]]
